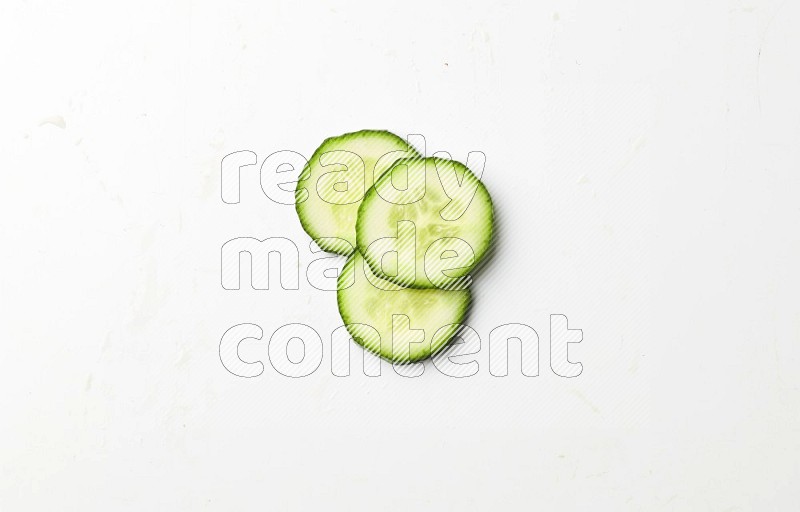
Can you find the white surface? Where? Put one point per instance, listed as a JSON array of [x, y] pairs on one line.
[[644, 160]]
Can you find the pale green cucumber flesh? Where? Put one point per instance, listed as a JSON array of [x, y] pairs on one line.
[[320, 213], [370, 313], [463, 241]]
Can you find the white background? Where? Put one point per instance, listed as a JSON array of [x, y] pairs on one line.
[[644, 160]]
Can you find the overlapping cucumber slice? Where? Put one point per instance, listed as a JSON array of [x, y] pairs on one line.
[[419, 226], [331, 187], [400, 324], [426, 223]]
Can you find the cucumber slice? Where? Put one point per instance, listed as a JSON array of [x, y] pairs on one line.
[[425, 224], [332, 185], [422, 321]]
